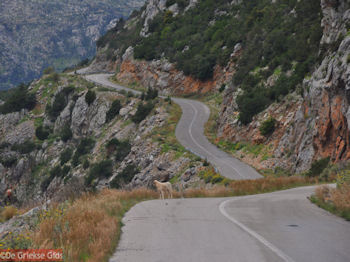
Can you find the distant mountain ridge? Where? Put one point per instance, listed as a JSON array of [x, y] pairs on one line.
[[35, 34]]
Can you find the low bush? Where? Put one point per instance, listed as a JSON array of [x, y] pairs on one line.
[[90, 97], [59, 103], [66, 156], [55, 77], [336, 201], [7, 213], [222, 88], [151, 93], [111, 146], [113, 111], [42, 133], [24, 148], [268, 126], [8, 161], [85, 146], [86, 164], [317, 167], [56, 171], [102, 169], [19, 99], [123, 149], [142, 112], [66, 133], [49, 70], [65, 170], [125, 176]]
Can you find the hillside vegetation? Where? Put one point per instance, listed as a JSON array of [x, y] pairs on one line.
[[279, 39]]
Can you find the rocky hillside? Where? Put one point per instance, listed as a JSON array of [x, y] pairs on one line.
[[283, 65], [36, 34], [75, 136]]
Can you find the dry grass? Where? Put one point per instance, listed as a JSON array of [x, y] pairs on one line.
[[7, 213], [334, 200], [89, 228], [249, 187]]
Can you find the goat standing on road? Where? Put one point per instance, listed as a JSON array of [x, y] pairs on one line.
[[163, 188]]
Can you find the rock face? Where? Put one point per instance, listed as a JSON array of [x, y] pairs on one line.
[[29, 167], [153, 7], [162, 75], [316, 125], [36, 34]]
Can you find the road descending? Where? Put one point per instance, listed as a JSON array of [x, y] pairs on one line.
[[190, 133], [279, 226]]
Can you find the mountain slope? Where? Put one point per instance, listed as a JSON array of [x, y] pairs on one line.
[[273, 60], [35, 34]]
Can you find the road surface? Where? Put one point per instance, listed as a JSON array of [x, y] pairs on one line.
[[279, 226], [190, 133]]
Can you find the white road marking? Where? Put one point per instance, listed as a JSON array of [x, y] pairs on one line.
[[254, 234], [195, 141]]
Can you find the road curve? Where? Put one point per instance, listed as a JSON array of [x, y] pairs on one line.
[[190, 133], [279, 226]]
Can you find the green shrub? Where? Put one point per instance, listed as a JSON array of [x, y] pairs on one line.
[[90, 97], [113, 111], [66, 133], [65, 170], [317, 167], [85, 146], [24, 148], [151, 93], [55, 77], [125, 176], [42, 133], [142, 111], [66, 156], [123, 149], [348, 59], [111, 146], [222, 88], [49, 70], [268, 126], [56, 171], [59, 103], [86, 164], [102, 169], [19, 99], [8, 161], [76, 159]]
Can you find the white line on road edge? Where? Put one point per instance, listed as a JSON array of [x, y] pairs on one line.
[[261, 239], [195, 141]]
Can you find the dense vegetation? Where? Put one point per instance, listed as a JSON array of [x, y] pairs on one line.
[[17, 99], [276, 38]]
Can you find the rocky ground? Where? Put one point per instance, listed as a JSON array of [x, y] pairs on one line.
[[37, 34], [155, 156], [311, 123]]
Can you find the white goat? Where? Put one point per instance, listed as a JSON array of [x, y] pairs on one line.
[[162, 188]]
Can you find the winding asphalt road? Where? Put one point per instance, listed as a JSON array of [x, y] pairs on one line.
[[190, 133], [279, 226]]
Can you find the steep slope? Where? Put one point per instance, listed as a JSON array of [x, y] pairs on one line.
[[274, 59], [80, 136], [36, 34]]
